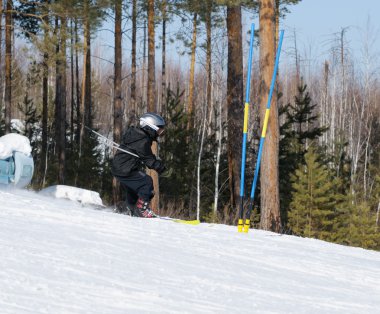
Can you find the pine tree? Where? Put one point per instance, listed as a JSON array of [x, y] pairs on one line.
[[298, 130], [356, 225], [178, 159], [31, 127], [314, 200], [89, 174]]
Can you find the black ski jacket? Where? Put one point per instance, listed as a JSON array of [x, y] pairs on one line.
[[139, 142]]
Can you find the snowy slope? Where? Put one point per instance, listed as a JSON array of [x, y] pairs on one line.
[[60, 257]]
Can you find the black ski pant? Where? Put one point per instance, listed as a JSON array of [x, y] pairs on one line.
[[137, 185]]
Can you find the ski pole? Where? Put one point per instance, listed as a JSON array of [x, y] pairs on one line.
[[111, 143], [245, 129], [100, 135], [247, 222]]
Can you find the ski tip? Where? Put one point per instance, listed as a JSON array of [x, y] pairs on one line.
[[187, 222]]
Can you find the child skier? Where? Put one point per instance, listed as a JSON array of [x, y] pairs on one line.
[[127, 167]]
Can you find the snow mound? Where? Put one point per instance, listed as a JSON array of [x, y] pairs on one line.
[[73, 193], [14, 142]]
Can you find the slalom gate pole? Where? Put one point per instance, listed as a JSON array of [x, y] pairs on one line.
[[247, 222], [245, 129]]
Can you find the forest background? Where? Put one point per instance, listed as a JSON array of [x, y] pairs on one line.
[[320, 174]]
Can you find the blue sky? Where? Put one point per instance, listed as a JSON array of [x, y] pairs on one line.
[[325, 16], [315, 22]]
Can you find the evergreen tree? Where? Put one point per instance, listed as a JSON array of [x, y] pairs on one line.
[[31, 121], [178, 159], [88, 172], [356, 225], [298, 130], [314, 199]]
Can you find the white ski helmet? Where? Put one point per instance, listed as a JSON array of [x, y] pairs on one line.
[[152, 121]]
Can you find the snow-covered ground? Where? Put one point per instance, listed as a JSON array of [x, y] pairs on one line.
[[60, 257]]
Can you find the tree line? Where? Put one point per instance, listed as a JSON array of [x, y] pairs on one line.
[[320, 173]]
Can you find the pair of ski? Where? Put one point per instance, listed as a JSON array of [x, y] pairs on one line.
[[181, 221], [244, 226], [126, 210]]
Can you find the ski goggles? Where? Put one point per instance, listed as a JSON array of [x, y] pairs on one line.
[[160, 131]]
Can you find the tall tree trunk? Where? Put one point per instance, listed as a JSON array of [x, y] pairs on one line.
[[83, 94], [72, 81], [296, 56], [377, 217], [58, 96], [199, 162], [1, 54], [277, 14], [62, 157], [325, 99], [45, 114], [270, 203], [134, 67], [60, 100], [8, 66], [234, 99], [219, 134], [87, 85], [45, 108], [77, 87], [208, 60], [190, 111], [143, 77], [163, 73], [151, 94], [86, 80], [117, 105], [190, 105]]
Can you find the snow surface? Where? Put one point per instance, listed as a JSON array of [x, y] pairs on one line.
[[14, 142], [58, 256]]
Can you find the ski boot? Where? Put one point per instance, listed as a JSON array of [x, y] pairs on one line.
[[142, 209]]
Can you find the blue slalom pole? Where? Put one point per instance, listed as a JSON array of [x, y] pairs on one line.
[[263, 134], [245, 128]]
